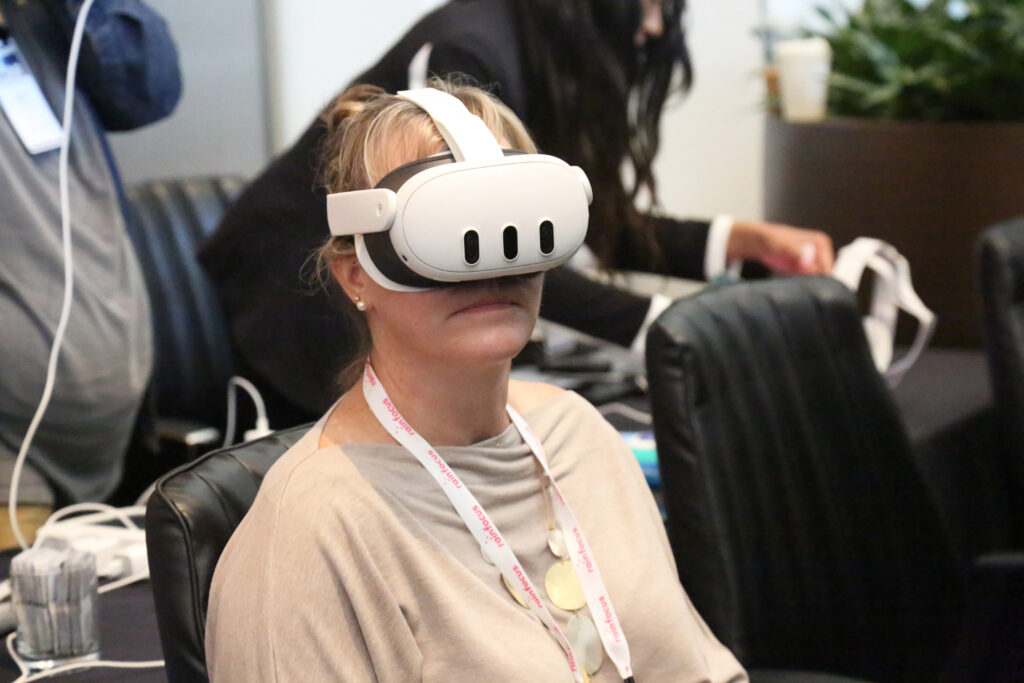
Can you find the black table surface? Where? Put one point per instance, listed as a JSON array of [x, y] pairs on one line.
[[128, 632]]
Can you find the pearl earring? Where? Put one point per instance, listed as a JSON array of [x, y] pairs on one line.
[[360, 304]]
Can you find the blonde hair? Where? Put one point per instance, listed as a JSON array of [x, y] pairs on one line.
[[369, 134]]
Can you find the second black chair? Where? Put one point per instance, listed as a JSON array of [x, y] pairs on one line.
[[803, 531], [193, 362], [999, 260]]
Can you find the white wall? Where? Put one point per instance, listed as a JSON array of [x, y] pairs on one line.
[[712, 142], [220, 124], [711, 150], [317, 46]]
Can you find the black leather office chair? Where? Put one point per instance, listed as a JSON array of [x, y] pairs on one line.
[[999, 260], [193, 363], [185, 405], [189, 518], [801, 526]]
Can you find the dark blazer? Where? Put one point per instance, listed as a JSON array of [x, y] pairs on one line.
[[293, 338]]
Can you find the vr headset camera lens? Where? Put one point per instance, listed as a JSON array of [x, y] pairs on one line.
[[510, 242], [547, 237], [471, 246]]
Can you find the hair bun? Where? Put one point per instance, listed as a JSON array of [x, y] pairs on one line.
[[348, 104]]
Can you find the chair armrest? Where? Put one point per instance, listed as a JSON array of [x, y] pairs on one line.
[[991, 646]]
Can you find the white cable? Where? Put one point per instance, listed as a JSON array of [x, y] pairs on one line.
[[108, 513], [103, 513], [122, 582], [25, 677], [262, 426], [14, 655], [69, 280], [145, 495]]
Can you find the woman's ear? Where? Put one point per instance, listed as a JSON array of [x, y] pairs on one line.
[[350, 275]]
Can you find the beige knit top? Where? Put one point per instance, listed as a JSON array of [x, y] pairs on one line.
[[354, 566]]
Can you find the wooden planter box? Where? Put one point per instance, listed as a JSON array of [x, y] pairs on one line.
[[927, 188]]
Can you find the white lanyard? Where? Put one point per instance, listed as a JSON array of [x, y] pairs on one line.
[[493, 543]]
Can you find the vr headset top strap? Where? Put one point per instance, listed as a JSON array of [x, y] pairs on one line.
[[367, 211], [467, 135]]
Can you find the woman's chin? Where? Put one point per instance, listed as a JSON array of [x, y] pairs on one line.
[[487, 348]]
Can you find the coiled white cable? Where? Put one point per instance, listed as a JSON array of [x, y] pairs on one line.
[[69, 273], [108, 512]]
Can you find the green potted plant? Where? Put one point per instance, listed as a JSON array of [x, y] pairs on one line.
[[923, 145]]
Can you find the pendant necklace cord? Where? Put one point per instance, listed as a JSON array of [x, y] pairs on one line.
[[549, 515]]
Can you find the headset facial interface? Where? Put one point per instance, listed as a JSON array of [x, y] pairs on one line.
[[472, 213]]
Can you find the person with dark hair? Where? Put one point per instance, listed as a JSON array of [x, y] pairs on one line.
[[596, 77], [589, 79]]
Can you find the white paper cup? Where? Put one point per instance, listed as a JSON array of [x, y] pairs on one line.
[[803, 67]]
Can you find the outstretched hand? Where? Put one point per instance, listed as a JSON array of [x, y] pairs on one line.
[[783, 248]]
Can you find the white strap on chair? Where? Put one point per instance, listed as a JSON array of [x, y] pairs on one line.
[[893, 291]]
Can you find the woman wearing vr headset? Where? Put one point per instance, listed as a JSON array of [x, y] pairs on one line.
[[570, 69], [442, 522]]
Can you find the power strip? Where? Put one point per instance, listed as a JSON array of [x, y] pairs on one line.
[[120, 551]]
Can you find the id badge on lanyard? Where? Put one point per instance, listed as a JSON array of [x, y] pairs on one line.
[[23, 102]]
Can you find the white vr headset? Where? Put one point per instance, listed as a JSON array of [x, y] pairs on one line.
[[475, 212]]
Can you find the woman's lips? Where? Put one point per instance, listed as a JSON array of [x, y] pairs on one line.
[[486, 306], [481, 296]]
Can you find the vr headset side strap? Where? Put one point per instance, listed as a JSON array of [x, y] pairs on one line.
[[467, 136], [361, 211], [366, 261]]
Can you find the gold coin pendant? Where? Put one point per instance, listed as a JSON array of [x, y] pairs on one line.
[[586, 642], [514, 592], [563, 587]]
